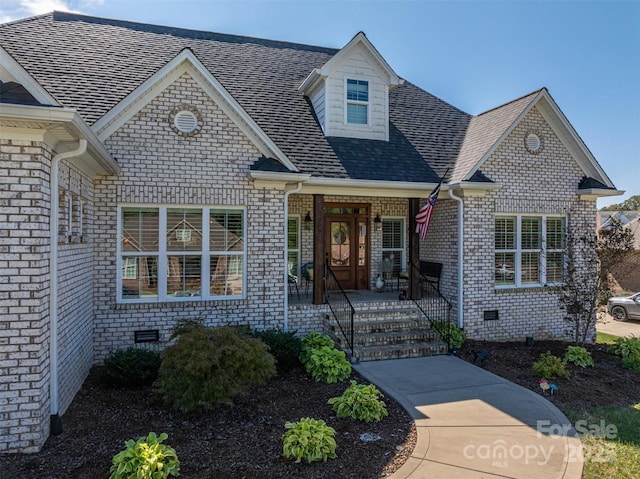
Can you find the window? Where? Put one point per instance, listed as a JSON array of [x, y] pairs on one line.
[[529, 250], [293, 246], [393, 250], [173, 253], [357, 102]]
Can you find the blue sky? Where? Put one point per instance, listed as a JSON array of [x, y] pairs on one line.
[[473, 54]]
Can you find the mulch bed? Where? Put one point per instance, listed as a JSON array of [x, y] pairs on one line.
[[605, 384], [237, 441]]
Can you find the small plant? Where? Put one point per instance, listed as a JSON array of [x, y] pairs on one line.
[[207, 367], [309, 439], [360, 402], [285, 347], [550, 367], [629, 350], [146, 458], [311, 341], [448, 330], [578, 356], [133, 367], [328, 365]]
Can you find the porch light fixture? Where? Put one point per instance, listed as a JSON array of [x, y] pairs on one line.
[[308, 222], [377, 222]]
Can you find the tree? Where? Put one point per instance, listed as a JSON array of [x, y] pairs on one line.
[[630, 204], [614, 244]]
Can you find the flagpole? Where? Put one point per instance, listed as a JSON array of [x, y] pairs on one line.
[[423, 218]]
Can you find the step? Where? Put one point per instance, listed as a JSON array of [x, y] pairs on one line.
[[413, 336], [399, 351], [365, 315], [383, 326]]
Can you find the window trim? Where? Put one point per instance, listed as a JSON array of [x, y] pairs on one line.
[[518, 251], [403, 257], [357, 102], [162, 254], [298, 249]]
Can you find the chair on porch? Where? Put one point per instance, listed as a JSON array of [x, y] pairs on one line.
[[292, 279], [307, 275]]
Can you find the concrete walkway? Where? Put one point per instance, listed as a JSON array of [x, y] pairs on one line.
[[473, 424], [630, 327]]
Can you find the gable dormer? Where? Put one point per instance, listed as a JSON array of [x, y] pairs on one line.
[[350, 93]]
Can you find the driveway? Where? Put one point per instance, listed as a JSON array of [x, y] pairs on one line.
[[630, 327]]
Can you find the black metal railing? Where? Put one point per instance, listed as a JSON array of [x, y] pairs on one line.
[[434, 306], [340, 306]]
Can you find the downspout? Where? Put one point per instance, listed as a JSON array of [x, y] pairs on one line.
[[286, 259], [460, 257], [54, 220]]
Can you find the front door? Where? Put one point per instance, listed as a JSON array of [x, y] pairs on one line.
[[347, 244]]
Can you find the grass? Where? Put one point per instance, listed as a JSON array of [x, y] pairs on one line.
[[611, 441], [605, 338]]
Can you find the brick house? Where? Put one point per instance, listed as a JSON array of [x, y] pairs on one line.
[[151, 174]]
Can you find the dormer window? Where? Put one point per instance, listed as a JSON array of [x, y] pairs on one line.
[[357, 102]]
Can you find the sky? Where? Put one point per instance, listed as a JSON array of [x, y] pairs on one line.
[[474, 54]]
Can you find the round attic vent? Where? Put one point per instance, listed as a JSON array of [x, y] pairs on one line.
[[533, 143], [185, 120]]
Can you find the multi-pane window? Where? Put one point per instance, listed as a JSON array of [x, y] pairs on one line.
[[293, 247], [393, 243], [529, 250], [167, 253], [357, 102]]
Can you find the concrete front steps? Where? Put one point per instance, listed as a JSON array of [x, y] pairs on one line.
[[388, 332]]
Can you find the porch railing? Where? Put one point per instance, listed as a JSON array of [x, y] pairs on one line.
[[435, 307], [340, 306]]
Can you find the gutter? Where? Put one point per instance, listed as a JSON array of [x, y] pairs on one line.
[[285, 326], [54, 221], [460, 258]]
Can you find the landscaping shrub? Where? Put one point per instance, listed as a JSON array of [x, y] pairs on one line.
[[311, 341], [578, 356], [146, 458], [550, 367], [360, 402], [285, 347], [448, 329], [208, 367], [132, 367], [309, 439], [629, 350], [328, 365]]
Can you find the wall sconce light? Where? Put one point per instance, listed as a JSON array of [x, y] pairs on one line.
[[308, 222], [377, 222]]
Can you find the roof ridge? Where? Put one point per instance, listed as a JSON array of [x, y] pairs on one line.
[[535, 92], [26, 19], [204, 34]]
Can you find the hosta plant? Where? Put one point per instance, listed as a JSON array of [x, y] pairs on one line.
[[578, 356], [629, 350], [309, 439], [360, 402], [314, 340], [146, 458], [328, 365], [550, 367]]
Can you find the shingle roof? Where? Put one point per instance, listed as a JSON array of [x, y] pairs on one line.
[[90, 64]]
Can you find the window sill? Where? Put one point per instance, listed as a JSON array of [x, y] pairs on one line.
[[534, 288]]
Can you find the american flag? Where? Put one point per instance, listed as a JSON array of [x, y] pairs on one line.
[[424, 215]]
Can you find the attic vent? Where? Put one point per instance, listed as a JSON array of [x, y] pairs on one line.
[[185, 120], [533, 143]]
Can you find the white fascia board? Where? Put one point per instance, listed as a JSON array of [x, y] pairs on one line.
[[506, 133], [350, 187], [187, 62], [278, 176], [74, 124], [595, 193], [25, 79], [310, 82]]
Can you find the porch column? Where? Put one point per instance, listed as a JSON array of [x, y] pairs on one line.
[[414, 249], [318, 248]]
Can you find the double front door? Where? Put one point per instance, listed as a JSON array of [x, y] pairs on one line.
[[347, 243]]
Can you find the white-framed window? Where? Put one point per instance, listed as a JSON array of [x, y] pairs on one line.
[[80, 215], [68, 200], [529, 250], [357, 101], [293, 247], [393, 244], [173, 253]]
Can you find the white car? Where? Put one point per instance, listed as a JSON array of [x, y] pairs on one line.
[[627, 307]]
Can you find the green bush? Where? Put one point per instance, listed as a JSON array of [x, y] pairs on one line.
[[309, 439], [629, 349], [146, 458], [131, 367], [360, 402], [578, 356], [550, 367], [208, 367], [447, 328], [314, 340], [285, 347], [328, 365]]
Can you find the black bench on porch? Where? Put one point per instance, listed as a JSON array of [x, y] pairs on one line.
[[429, 270]]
